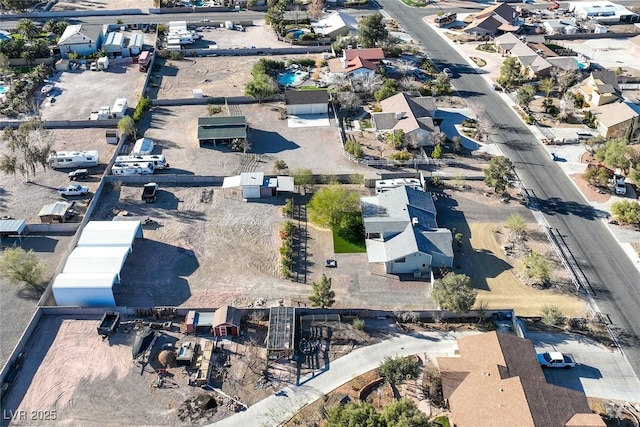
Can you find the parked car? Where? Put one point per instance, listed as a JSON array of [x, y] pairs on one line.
[[620, 185], [149, 192], [555, 359], [448, 72], [46, 89], [73, 190], [93, 66], [78, 174]]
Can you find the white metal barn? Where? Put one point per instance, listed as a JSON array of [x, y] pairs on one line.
[[114, 43], [135, 44], [305, 102], [85, 289], [94, 266]]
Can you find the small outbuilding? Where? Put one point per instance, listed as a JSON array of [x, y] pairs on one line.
[[305, 102], [226, 322], [54, 212], [214, 130], [254, 185], [135, 44], [12, 228], [114, 43]]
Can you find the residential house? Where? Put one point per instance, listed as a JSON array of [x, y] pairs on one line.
[[560, 26], [226, 321], [214, 130], [496, 19], [303, 102], [616, 120], [497, 379], [401, 232], [83, 39], [603, 12], [601, 88], [357, 63], [335, 25], [533, 65], [410, 114]]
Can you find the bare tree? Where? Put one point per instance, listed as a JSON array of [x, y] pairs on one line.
[[348, 100], [315, 9], [29, 148], [368, 84]]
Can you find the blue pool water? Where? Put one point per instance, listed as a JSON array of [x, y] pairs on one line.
[[3, 89], [287, 79], [198, 3], [297, 33]]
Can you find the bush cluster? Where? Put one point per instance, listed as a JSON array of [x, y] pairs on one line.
[[143, 106], [286, 249]]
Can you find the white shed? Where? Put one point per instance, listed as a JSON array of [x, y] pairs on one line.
[[305, 102], [114, 43], [96, 259], [110, 233], [135, 44], [84, 289]]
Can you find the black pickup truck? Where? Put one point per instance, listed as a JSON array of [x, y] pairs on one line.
[[149, 192], [109, 323]]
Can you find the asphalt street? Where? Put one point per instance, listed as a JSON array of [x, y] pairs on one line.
[[613, 279]]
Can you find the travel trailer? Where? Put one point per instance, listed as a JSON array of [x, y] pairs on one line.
[[157, 160], [73, 159], [143, 146], [388, 184], [119, 107], [132, 169]]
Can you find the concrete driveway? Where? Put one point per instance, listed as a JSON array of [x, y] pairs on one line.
[[601, 372]]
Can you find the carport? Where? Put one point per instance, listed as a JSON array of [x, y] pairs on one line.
[[110, 233], [12, 227], [214, 130]]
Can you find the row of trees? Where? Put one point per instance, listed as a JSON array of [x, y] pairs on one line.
[[263, 85]]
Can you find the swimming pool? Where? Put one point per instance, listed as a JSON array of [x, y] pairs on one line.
[[292, 78], [3, 89], [297, 33]]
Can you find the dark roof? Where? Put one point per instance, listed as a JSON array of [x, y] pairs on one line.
[[296, 97], [383, 121], [609, 79], [226, 315], [228, 127]]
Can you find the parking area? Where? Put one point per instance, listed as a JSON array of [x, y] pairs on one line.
[[78, 93], [601, 372], [256, 36], [174, 129]]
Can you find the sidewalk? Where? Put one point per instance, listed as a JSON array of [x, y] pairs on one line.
[[278, 408]]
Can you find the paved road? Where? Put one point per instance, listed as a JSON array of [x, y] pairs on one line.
[[613, 278], [278, 408]]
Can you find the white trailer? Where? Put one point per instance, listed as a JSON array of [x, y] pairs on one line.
[[388, 184], [103, 63], [120, 107], [73, 159], [132, 168], [104, 113], [157, 160]]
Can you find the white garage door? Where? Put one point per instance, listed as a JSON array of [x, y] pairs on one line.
[[302, 109]]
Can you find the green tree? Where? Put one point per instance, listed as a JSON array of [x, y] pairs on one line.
[[388, 89], [27, 29], [598, 177], [534, 269], [551, 315], [352, 414], [510, 73], [626, 211], [525, 95], [615, 154], [261, 87], [354, 148], [322, 295], [371, 30], [395, 370], [396, 139], [454, 293], [594, 143], [127, 126], [331, 203], [442, 84], [5, 65], [515, 223], [20, 266], [404, 413], [437, 152], [302, 178], [280, 165], [499, 173], [546, 85]]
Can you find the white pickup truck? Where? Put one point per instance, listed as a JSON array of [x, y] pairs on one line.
[[73, 190], [555, 359]]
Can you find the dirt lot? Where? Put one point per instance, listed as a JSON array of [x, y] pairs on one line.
[[80, 5], [78, 93], [174, 129]]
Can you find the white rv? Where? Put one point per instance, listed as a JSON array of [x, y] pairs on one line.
[[120, 107], [157, 160], [73, 159], [143, 146], [132, 169], [387, 184]]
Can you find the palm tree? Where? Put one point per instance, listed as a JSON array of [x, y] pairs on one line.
[[27, 29]]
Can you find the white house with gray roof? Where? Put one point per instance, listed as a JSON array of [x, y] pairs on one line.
[[83, 39], [412, 115], [401, 232]]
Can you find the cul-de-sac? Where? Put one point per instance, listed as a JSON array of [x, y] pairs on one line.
[[389, 213]]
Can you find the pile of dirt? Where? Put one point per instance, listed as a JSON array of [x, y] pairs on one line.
[[167, 358], [198, 409]]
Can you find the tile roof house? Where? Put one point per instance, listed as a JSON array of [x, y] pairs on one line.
[[402, 233], [601, 88], [614, 120], [357, 62], [83, 39], [497, 379], [533, 65], [495, 19], [336, 24], [412, 115]]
